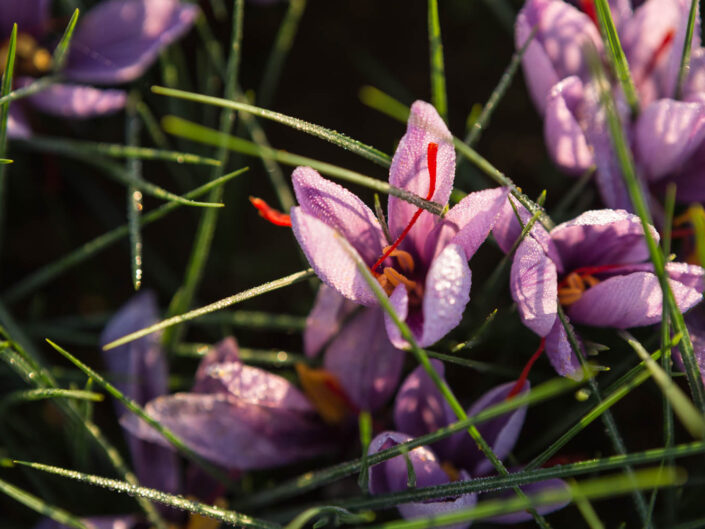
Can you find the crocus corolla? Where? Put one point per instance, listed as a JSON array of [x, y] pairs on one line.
[[424, 267]]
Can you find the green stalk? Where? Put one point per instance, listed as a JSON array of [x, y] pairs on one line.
[[687, 49], [439, 97]]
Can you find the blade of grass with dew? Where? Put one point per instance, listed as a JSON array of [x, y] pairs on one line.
[[323, 133], [269, 357], [439, 97], [585, 507], [480, 367], [62, 48], [334, 515], [40, 506], [170, 500], [476, 337], [195, 132], [51, 271], [32, 395], [684, 69], [636, 196], [4, 116], [271, 286], [32, 88], [134, 195], [383, 103], [256, 320], [690, 417]]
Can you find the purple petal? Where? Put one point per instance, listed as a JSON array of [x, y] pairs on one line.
[[529, 489], [431, 509], [500, 433], [534, 286], [94, 522], [329, 255], [17, 124], [563, 130], [695, 321], [340, 209], [409, 171], [601, 237], [366, 363], [400, 303], [31, 16], [78, 102], [694, 86], [560, 353], [325, 319], [116, 41], [630, 300], [224, 352], [692, 276]]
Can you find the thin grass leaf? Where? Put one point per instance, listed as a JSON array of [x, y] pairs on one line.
[[329, 514], [195, 132], [274, 358], [698, 221], [365, 428], [170, 500], [4, 115], [616, 54], [218, 305], [51, 271], [31, 395], [476, 337], [134, 196], [32, 88], [585, 507], [62, 48], [439, 98], [687, 49], [256, 320], [383, 103], [481, 367], [329, 135], [40, 506]]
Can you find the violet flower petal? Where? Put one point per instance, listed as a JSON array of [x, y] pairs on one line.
[[400, 303], [116, 41], [530, 490], [428, 509], [94, 522], [224, 352], [560, 353], [31, 16], [77, 101], [330, 310], [17, 124]]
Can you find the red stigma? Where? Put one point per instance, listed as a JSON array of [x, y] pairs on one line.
[[589, 270], [431, 158], [270, 214], [658, 54], [588, 7], [525, 372]]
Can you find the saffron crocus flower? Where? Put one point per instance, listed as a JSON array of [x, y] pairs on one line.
[[596, 267], [424, 267], [420, 409], [113, 43]]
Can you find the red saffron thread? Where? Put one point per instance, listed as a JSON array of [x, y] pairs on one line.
[[270, 214], [588, 7], [589, 270], [431, 157], [656, 56], [525, 372]]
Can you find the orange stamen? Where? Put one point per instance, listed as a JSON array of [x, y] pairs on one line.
[[270, 214], [325, 393], [395, 278], [525, 372], [406, 261], [431, 157]]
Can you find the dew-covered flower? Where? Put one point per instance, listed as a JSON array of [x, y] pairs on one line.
[[596, 266], [420, 409], [113, 43], [423, 266]]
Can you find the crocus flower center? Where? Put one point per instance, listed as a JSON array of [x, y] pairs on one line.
[[30, 57], [390, 277], [525, 372], [326, 394], [572, 286]]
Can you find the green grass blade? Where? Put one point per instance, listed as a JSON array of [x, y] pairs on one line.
[[134, 197], [585, 507], [51, 271], [4, 115], [32, 88], [381, 102], [329, 135], [218, 305], [268, 357], [439, 97], [687, 49], [256, 320], [365, 429], [62, 48]]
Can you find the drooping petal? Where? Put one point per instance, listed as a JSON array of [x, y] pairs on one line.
[[31, 16], [563, 130], [323, 322], [692, 276], [409, 171], [340, 209], [561, 354], [366, 363], [400, 303], [501, 433], [17, 124], [329, 255], [77, 101], [627, 301], [116, 41], [534, 286], [224, 352], [94, 522], [601, 237]]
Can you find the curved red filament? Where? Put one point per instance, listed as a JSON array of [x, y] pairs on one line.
[[525, 372], [658, 54], [588, 271], [588, 7], [270, 214], [431, 158]]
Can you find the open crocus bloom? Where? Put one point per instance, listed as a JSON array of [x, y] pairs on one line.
[[425, 270], [420, 409], [113, 43], [596, 267]]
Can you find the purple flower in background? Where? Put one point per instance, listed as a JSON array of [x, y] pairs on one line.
[[420, 409], [114, 43], [595, 267], [425, 270]]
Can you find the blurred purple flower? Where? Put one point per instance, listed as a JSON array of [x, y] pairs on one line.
[[427, 275], [595, 266], [420, 409], [114, 43]]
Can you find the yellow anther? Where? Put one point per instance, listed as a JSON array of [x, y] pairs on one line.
[[384, 282], [568, 296], [406, 261], [197, 521], [591, 280], [574, 281], [450, 470], [326, 394], [41, 60], [395, 278]]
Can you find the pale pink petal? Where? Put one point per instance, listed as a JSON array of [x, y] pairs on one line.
[[325, 319]]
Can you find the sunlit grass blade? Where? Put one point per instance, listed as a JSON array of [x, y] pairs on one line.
[[329, 135], [690, 417], [365, 429], [269, 357], [62, 48], [31, 395], [4, 116], [32, 88], [585, 507], [439, 97], [171, 500], [40, 506], [477, 335], [256, 320], [134, 196], [51, 271], [195, 132], [336, 515], [687, 49], [378, 100], [218, 305], [477, 365], [698, 221], [616, 54]]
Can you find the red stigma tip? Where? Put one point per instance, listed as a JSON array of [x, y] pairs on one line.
[[588, 7], [525, 372], [431, 159], [658, 54], [270, 214]]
